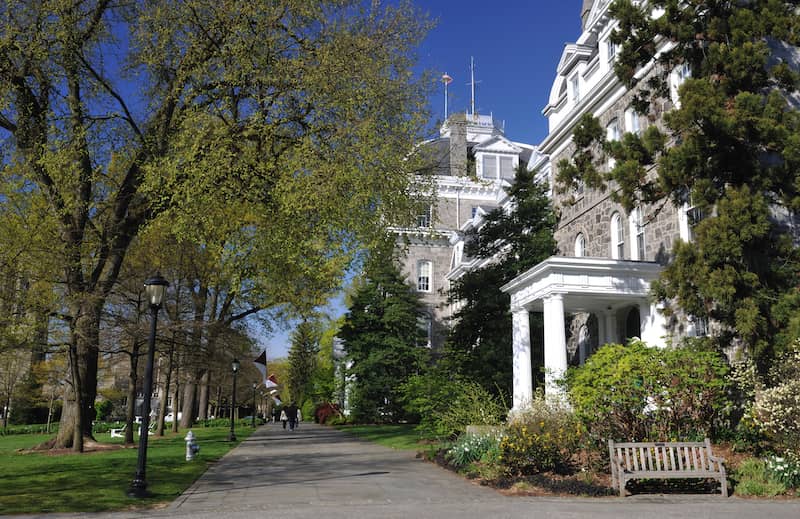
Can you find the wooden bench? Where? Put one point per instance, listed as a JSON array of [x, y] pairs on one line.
[[664, 460]]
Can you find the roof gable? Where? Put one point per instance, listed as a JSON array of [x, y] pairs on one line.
[[498, 144]]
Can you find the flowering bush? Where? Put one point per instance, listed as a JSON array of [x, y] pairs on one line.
[[785, 468], [776, 409], [544, 437], [472, 447]]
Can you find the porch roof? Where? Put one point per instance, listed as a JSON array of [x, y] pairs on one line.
[[586, 284]]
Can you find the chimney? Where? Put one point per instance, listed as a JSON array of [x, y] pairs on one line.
[[458, 145]]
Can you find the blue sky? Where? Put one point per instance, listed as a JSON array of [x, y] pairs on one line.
[[516, 46]]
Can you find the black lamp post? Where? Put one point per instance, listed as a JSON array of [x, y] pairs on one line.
[[255, 385], [154, 288], [235, 367]]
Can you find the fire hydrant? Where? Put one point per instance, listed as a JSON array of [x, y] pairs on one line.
[[191, 446]]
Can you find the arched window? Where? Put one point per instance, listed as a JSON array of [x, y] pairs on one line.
[[617, 237], [580, 246], [424, 271]]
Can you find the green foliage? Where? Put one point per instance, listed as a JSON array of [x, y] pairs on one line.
[[733, 153], [785, 469], [383, 340], [543, 437], [283, 145], [469, 448], [516, 242], [753, 478], [636, 392], [447, 404], [302, 359], [103, 409], [777, 408], [41, 482]]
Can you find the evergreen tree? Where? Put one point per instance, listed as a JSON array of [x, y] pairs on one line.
[[730, 148], [302, 360], [480, 341], [384, 341]]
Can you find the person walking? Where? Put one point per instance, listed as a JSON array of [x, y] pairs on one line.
[[284, 418], [291, 413]]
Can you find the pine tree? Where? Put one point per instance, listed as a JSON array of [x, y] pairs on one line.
[[302, 360], [383, 339], [479, 345], [731, 148]]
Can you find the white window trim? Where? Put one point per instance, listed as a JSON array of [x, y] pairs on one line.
[[616, 234], [575, 88], [633, 122], [637, 233], [496, 158], [580, 245], [427, 279]]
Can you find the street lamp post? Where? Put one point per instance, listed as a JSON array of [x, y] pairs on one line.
[[155, 288], [255, 385], [235, 367]]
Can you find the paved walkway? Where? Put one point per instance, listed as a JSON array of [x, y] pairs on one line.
[[321, 473]]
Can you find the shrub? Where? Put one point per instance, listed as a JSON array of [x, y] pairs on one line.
[[753, 478], [543, 437], [776, 409], [636, 392], [471, 447], [785, 469], [446, 404]]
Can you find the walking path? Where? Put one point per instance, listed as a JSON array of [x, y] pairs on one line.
[[321, 473]]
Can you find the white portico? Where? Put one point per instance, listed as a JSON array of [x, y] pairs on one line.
[[614, 291]]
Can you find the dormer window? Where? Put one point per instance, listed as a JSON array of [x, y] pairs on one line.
[[574, 88], [492, 164]]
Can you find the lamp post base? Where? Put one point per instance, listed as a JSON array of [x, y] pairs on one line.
[[138, 489], [231, 437]]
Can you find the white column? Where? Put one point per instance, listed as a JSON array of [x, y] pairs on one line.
[[611, 326], [521, 338], [555, 343], [601, 329], [653, 325]]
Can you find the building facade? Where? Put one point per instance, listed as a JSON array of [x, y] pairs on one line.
[[596, 290], [471, 162]]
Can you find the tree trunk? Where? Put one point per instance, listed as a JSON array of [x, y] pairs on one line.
[[175, 401], [188, 403], [162, 408], [133, 378], [203, 406], [76, 420]]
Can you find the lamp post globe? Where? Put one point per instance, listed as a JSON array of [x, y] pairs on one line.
[[235, 368], [155, 289]]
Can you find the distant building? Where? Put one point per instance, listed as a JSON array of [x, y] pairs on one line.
[[471, 162]]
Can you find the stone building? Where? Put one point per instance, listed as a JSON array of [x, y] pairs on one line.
[[596, 290], [471, 162]]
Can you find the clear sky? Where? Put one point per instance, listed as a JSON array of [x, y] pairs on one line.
[[516, 46]]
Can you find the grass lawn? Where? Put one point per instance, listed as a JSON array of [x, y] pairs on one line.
[[36, 482], [401, 436]]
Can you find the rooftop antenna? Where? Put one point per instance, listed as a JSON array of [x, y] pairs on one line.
[[472, 84], [446, 80]]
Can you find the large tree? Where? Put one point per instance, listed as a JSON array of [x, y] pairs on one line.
[[293, 117], [510, 242], [730, 148], [383, 339]]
